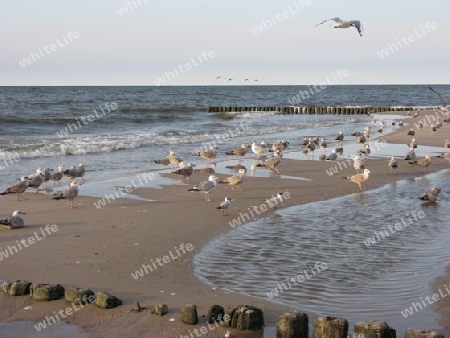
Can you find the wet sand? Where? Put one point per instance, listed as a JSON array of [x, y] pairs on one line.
[[101, 248]]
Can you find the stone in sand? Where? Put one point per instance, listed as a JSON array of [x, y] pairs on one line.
[[377, 329], [216, 313], [17, 288], [161, 309], [79, 296], [46, 292], [245, 317], [325, 327], [104, 300], [418, 333], [137, 307], [189, 314], [293, 325]]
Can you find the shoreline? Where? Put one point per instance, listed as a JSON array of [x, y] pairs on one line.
[[100, 250]]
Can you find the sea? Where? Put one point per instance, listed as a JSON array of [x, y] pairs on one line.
[[119, 132]]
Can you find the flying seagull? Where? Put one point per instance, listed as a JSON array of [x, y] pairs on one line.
[[439, 96], [345, 24]]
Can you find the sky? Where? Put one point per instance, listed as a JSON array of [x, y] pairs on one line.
[[193, 42]]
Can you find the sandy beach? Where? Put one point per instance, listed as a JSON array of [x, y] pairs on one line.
[[101, 249]]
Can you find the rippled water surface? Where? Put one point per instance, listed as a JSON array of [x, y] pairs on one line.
[[362, 282]]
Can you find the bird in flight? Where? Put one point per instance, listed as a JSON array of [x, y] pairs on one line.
[[345, 24], [439, 96]]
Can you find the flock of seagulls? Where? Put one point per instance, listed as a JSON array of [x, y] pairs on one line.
[[39, 181]]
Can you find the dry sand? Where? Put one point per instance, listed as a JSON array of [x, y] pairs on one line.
[[100, 248]]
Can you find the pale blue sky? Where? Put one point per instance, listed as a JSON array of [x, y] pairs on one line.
[[138, 47]]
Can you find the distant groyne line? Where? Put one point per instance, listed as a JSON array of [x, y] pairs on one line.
[[309, 110]]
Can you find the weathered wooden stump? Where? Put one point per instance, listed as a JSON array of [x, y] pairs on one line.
[[17, 288], [216, 313], [104, 300], [79, 296], [46, 292], [161, 309], [376, 329], [418, 333], [189, 314], [293, 325], [330, 327], [245, 317]]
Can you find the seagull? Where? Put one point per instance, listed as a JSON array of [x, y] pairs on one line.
[[18, 188], [15, 221], [273, 162], [358, 163], [340, 136], [69, 194], [333, 156], [439, 96], [413, 143], [219, 77], [275, 200], [423, 162], [206, 186], [225, 205], [410, 155], [208, 154], [173, 158], [235, 180], [57, 176], [364, 151], [411, 132], [430, 195], [310, 147], [360, 139], [80, 172], [163, 162], [71, 173], [346, 24], [258, 149], [282, 144], [393, 164], [359, 179], [36, 179], [445, 156], [239, 152], [184, 171], [323, 143]]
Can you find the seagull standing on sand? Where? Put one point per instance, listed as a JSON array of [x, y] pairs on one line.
[[273, 162], [411, 132], [225, 205], [358, 163], [430, 195], [15, 221], [236, 180], [69, 194], [18, 188], [345, 24], [359, 179], [413, 143], [206, 187], [393, 164]]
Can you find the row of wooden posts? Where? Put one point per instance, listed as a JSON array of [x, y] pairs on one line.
[[310, 110]]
